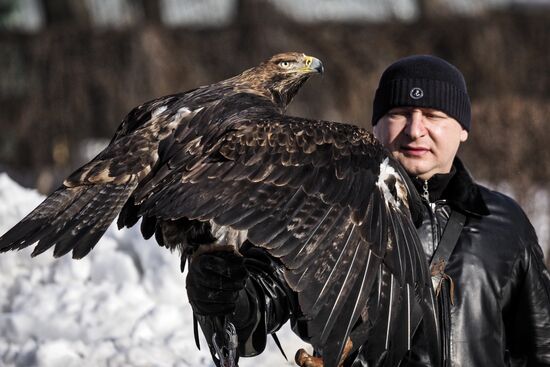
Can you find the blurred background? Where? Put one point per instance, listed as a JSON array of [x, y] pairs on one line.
[[70, 71]]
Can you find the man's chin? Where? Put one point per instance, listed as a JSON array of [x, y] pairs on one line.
[[415, 168], [421, 167]]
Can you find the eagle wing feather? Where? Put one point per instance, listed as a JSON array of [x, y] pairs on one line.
[[309, 193]]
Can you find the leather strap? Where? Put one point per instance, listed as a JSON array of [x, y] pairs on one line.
[[448, 239], [444, 291]]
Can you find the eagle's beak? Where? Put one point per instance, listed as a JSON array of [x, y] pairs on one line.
[[314, 65]]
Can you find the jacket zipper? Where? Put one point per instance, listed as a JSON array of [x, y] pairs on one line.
[[433, 220], [436, 237], [425, 191]]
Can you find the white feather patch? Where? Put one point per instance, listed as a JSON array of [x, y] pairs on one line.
[[387, 172], [158, 111], [182, 113], [228, 236]]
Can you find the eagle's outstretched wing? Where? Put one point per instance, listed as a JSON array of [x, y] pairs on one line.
[[326, 199], [76, 215]]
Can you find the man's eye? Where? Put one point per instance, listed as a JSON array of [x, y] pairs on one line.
[[285, 64], [397, 114]]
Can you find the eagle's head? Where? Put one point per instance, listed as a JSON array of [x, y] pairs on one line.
[[282, 75]]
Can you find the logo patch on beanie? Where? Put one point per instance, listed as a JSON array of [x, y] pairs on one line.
[[416, 93]]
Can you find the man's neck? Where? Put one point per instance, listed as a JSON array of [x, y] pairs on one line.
[[433, 189]]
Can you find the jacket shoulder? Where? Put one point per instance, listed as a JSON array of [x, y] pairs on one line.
[[509, 213]]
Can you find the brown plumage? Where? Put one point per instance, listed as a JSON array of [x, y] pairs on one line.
[[222, 163]]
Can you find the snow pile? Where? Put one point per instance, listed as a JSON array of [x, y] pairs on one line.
[[124, 304]]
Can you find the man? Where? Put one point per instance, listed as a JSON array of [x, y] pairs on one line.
[[492, 287]]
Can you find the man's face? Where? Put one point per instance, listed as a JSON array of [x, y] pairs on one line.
[[423, 140]]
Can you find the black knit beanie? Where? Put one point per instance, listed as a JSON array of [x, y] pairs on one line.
[[423, 81]]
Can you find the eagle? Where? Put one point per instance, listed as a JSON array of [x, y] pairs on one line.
[[223, 164]]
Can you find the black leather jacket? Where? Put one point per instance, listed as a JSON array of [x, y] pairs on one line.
[[501, 310]]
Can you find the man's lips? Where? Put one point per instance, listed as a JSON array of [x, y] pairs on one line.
[[414, 151]]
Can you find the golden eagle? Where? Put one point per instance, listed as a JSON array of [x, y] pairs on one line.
[[223, 163]]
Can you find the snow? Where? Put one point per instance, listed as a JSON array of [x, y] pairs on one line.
[[125, 304]]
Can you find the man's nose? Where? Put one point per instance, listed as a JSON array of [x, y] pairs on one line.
[[415, 125]]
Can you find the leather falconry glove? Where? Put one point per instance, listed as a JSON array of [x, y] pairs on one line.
[[214, 282]]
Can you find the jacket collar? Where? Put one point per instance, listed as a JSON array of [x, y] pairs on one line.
[[436, 185], [463, 193]]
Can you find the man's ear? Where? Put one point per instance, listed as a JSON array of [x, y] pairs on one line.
[[463, 135], [375, 131]]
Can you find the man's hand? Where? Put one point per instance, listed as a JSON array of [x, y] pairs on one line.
[[303, 359], [214, 282]]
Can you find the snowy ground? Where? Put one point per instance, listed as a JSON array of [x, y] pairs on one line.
[[125, 304]]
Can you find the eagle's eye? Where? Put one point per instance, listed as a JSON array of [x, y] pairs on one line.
[[285, 64]]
